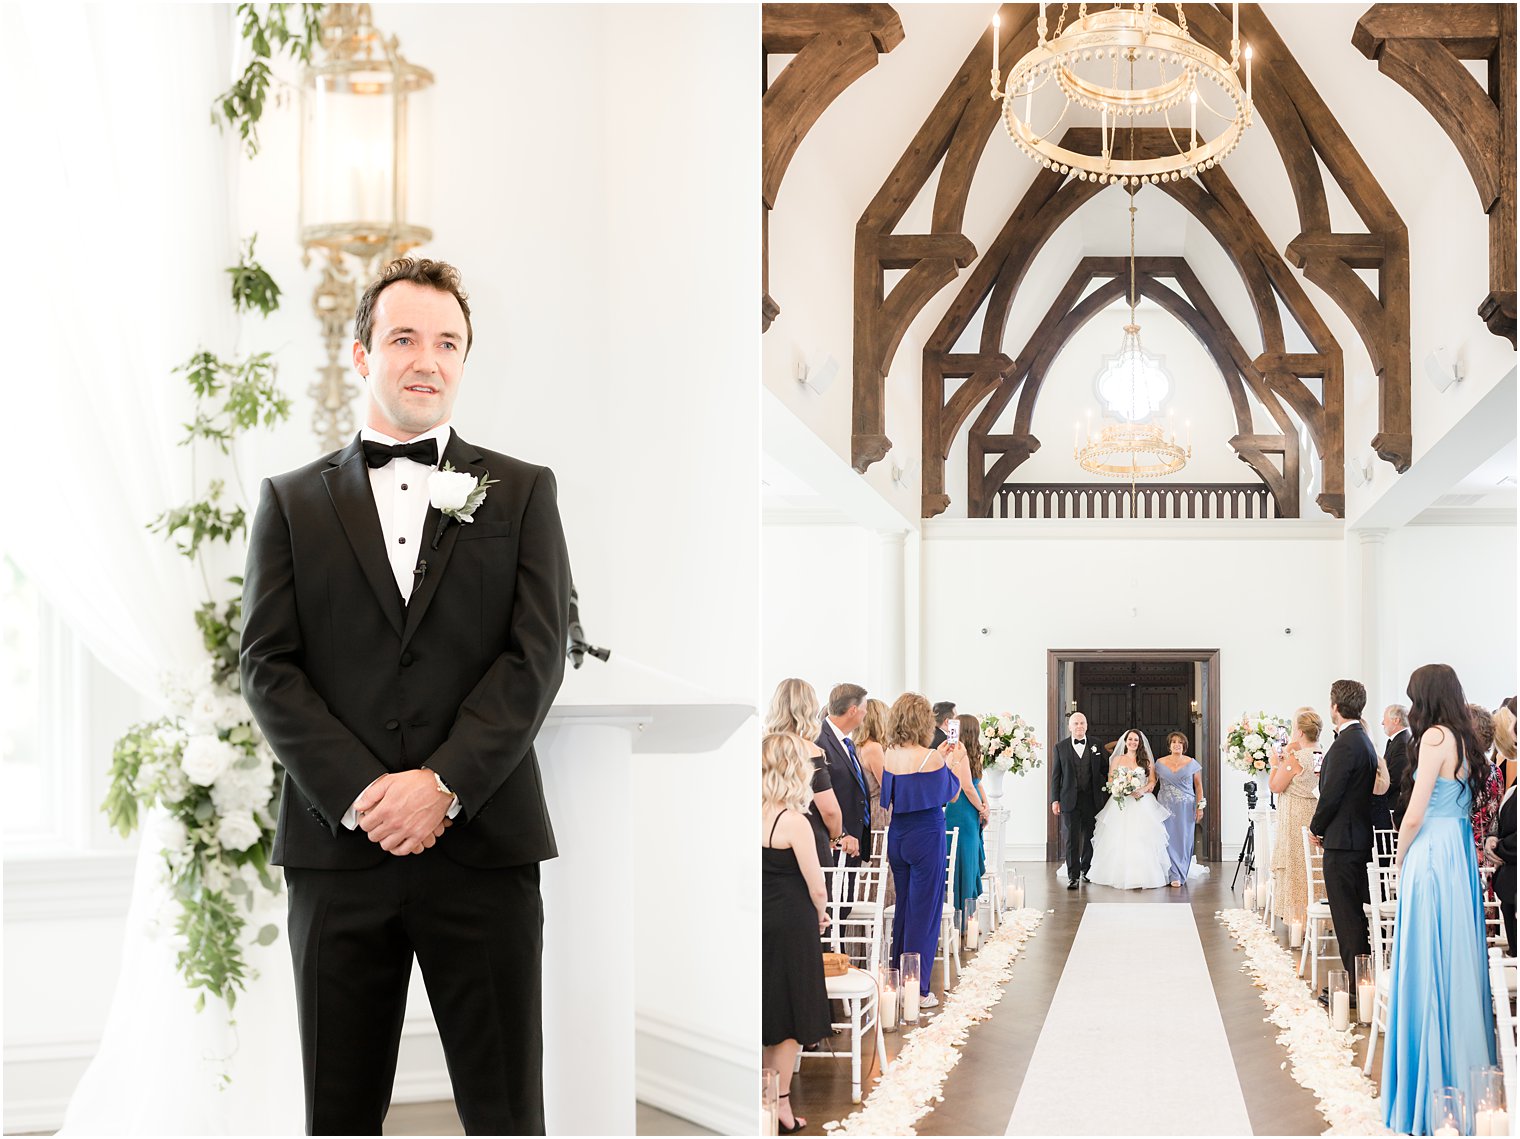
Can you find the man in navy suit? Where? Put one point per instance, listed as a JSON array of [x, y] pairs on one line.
[[846, 712]]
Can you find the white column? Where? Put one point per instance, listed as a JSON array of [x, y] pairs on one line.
[[888, 609], [1373, 663]]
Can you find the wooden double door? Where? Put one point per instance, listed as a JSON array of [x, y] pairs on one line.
[[1156, 690]]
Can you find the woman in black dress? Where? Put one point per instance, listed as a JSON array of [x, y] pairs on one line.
[[793, 998]]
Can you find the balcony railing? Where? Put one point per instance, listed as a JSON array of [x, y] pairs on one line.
[[1146, 500]]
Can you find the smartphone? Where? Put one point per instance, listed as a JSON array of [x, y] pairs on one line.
[[953, 732]]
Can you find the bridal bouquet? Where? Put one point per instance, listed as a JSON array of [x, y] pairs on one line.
[[1245, 744], [209, 770], [1009, 743], [1124, 782]]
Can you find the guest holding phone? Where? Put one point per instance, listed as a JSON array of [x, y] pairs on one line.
[[1296, 784]]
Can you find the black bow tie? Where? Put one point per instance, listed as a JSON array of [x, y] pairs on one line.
[[1080, 743], [424, 451]]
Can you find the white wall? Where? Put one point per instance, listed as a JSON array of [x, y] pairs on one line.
[[1452, 593], [1096, 586]]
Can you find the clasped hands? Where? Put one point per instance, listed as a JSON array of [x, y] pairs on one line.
[[404, 812]]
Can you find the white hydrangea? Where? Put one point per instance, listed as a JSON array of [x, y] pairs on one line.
[[207, 757], [238, 831], [172, 834], [1253, 742], [240, 791]]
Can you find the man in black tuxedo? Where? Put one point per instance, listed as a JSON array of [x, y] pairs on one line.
[[1385, 807], [1078, 771], [1499, 849], [1342, 823], [944, 712], [401, 661], [846, 712]]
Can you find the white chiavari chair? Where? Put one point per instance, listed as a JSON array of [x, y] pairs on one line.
[[1493, 920], [1501, 981], [1318, 928], [949, 926], [1382, 888], [879, 846], [1384, 844], [858, 935]]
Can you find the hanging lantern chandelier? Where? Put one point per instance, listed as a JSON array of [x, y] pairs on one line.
[[1134, 67], [1133, 386]]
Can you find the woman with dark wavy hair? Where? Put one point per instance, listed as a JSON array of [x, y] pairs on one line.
[[1440, 1021]]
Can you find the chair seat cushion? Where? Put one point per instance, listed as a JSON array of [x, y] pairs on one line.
[[852, 984]]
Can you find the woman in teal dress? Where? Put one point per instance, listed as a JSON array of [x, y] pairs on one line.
[[966, 814], [1440, 1019]]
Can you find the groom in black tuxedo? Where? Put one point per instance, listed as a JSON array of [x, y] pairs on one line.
[[400, 661], [1078, 772], [1342, 822]]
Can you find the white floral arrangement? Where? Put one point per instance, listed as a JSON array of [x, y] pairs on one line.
[[1247, 741], [1123, 782], [209, 772], [1009, 743]]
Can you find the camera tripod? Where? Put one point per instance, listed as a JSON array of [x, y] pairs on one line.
[[1247, 856]]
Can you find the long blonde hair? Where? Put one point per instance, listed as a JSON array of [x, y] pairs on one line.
[[795, 708], [873, 729], [785, 772]]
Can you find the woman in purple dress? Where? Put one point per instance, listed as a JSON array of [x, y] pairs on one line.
[[1179, 788]]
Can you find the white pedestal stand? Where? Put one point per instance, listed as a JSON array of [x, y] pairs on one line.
[[605, 714]]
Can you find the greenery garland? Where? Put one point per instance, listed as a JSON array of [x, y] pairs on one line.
[[205, 764]]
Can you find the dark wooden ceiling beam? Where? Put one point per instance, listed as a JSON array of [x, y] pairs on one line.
[[831, 45], [1420, 47]]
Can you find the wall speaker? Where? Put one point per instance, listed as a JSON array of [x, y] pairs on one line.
[[1443, 369], [819, 379]]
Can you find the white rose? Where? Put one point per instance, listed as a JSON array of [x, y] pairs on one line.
[[207, 757], [449, 490], [238, 832], [239, 791]]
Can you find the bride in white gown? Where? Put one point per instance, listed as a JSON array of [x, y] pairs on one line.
[[1129, 841]]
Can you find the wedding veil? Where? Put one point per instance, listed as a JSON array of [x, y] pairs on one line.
[[1119, 748]]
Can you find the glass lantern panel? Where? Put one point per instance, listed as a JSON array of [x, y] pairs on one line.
[[348, 153], [1132, 384]]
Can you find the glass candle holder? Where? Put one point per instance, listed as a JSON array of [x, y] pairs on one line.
[[1250, 890], [1296, 934], [1448, 1114], [770, 1101], [985, 911], [908, 981], [992, 892], [1340, 999], [1366, 988], [1490, 1113], [1015, 891], [891, 998]]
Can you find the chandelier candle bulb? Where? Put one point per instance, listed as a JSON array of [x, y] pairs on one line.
[[1249, 101], [996, 23]]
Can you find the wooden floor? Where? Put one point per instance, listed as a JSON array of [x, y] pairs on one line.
[[440, 1118], [981, 1090]]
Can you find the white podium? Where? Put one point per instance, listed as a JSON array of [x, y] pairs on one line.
[[605, 714]]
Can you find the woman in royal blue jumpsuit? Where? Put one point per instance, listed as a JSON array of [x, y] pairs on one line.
[[917, 782]]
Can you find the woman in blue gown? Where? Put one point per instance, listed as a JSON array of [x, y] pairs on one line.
[[1179, 789], [1440, 1020], [917, 781], [965, 815]]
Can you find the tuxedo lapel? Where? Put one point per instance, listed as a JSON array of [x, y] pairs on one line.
[[465, 458], [348, 486]]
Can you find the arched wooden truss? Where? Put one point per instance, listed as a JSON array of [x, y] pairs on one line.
[[1421, 48], [1273, 375], [1305, 132], [831, 45]]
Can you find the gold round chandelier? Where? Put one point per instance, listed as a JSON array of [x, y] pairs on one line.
[[1128, 63], [1148, 452]]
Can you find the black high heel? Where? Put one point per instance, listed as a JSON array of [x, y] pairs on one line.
[[798, 1123]]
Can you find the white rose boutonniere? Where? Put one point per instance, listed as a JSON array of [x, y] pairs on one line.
[[456, 495]]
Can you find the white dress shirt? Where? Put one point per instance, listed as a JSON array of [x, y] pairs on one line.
[[401, 500]]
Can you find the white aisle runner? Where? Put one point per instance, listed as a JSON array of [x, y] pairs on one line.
[[1133, 1043]]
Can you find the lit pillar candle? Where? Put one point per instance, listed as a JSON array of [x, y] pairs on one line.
[[1340, 1010], [1365, 994], [910, 1003], [1295, 934], [1250, 897], [1248, 73], [888, 1010]]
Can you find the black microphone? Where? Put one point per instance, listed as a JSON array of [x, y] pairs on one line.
[[418, 575]]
